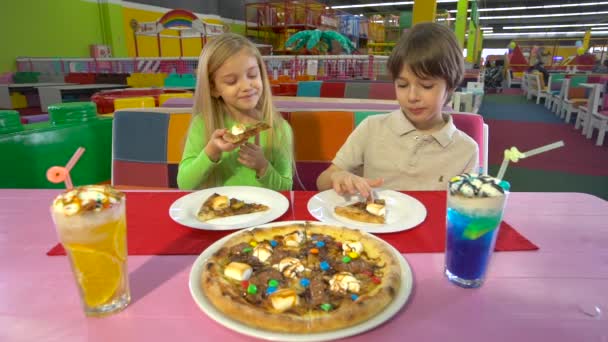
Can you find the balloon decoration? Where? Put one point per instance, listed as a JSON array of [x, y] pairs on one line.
[[320, 40], [578, 43], [580, 51]]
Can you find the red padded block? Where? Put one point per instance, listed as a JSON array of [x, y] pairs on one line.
[[472, 125], [333, 89], [140, 174], [382, 91], [307, 173]]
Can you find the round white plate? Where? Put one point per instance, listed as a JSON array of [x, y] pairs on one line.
[[207, 307], [403, 212], [184, 209]]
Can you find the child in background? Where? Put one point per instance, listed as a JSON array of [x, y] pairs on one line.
[[416, 147], [233, 88]]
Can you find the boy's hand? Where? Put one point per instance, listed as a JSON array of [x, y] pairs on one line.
[[346, 183], [252, 156], [217, 145]]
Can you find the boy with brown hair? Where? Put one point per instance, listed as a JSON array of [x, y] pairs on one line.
[[416, 147]]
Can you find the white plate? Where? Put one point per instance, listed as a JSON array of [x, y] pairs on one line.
[[199, 297], [184, 209], [403, 212]]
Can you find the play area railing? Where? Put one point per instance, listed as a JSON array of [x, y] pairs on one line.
[[320, 66]]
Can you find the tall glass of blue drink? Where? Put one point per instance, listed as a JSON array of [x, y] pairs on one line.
[[474, 210]]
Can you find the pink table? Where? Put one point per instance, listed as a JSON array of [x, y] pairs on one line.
[[528, 296]]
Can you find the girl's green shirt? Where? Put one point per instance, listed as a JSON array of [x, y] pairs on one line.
[[196, 168]]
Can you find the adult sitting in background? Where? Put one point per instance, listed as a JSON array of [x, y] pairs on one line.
[[600, 68]]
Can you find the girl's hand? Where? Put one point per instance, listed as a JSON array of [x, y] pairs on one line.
[[217, 145], [346, 183], [252, 156]]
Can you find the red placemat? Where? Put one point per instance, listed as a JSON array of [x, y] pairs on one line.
[[151, 231]]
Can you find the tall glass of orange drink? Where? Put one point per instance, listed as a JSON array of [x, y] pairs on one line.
[[91, 226]]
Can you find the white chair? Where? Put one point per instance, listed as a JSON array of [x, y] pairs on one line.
[[557, 100], [535, 87], [475, 87], [462, 102], [524, 84], [575, 97], [583, 117], [599, 120]]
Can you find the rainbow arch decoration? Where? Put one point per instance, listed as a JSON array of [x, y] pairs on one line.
[[185, 22], [177, 19]]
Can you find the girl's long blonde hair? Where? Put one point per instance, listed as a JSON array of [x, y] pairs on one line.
[[212, 109]]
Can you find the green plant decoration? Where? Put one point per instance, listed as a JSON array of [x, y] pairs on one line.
[[319, 40]]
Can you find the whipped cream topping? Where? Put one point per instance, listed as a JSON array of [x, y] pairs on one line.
[[294, 239], [87, 198], [344, 282], [476, 185], [376, 209], [290, 267], [262, 251], [237, 129]]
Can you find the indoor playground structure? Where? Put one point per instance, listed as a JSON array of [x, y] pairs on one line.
[[184, 23]]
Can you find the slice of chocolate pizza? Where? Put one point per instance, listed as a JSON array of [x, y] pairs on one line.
[[218, 206], [239, 133], [368, 211]]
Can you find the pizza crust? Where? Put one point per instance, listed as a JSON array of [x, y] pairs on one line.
[[228, 297]]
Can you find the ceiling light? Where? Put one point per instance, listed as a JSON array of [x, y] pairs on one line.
[[569, 33], [523, 8], [387, 4], [549, 26], [538, 15]]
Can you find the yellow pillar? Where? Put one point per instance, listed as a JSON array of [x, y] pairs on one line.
[[424, 11], [586, 39], [479, 45], [471, 42], [461, 21]]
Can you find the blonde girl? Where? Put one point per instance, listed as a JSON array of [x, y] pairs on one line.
[[233, 88]]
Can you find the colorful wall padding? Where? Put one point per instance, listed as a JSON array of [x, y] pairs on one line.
[[150, 157]]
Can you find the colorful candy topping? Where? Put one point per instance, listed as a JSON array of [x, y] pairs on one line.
[[273, 283], [326, 306], [320, 244], [305, 282], [324, 265], [252, 289]]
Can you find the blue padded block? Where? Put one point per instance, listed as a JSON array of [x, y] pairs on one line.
[[140, 136], [309, 88]]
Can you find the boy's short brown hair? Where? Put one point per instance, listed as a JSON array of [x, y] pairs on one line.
[[430, 50]]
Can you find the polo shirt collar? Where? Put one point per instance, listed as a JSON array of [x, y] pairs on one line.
[[402, 126]]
